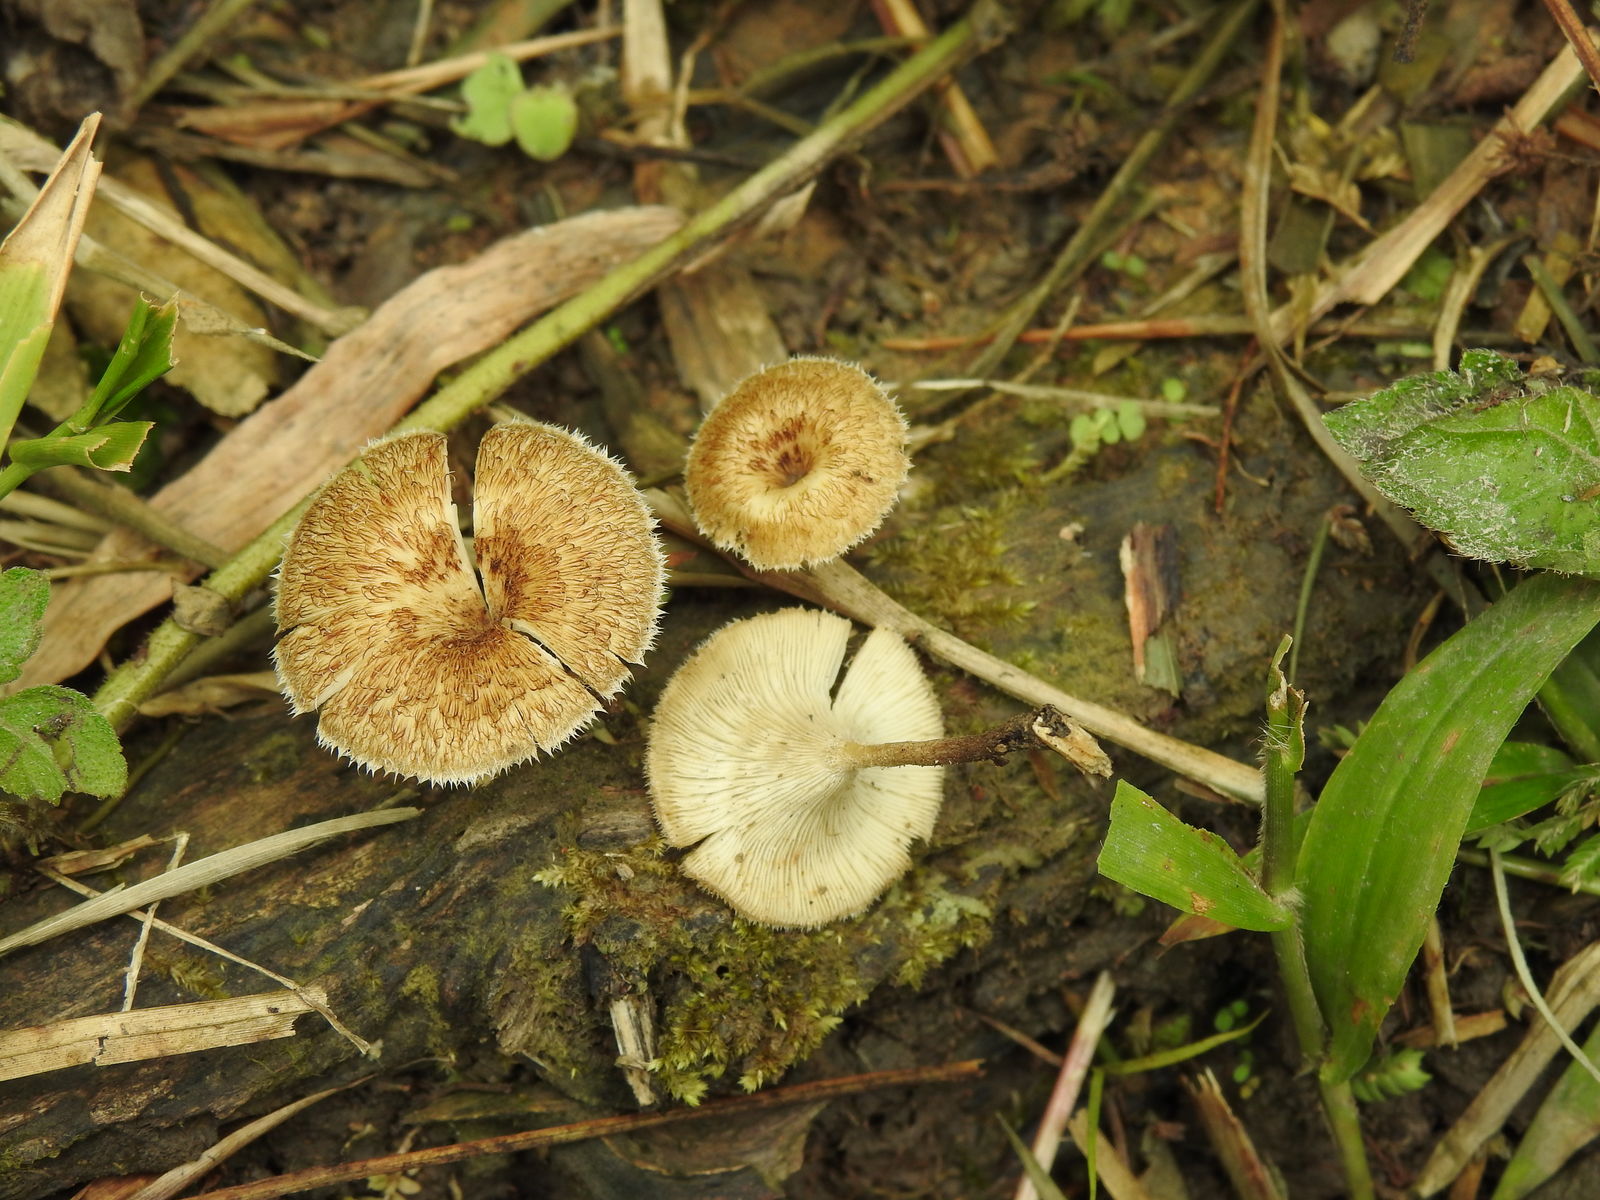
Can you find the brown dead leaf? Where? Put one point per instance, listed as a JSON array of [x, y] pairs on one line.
[[367, 381], [211, 694], [83, 862], [267, 124]]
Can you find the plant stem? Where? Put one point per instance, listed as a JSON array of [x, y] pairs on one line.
[[840, 587], [126, 508], [481, 383], [1285, 748], [12, 477], [1339, 1104]]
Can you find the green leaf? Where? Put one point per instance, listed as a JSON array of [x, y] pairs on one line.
[[1507, 799], [35, 259], [1151, 851], [1384, 834], [53, 741], [544, 121], [19, 367], [1130, 420], [23, 597], [1507, 468], [142, 356], [110, 448], [1160, 1060], [1571, 699], [488, 92]]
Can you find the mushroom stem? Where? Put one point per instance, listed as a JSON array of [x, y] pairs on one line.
[[991, 745]]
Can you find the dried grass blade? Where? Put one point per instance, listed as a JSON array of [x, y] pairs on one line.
[[198, 874]]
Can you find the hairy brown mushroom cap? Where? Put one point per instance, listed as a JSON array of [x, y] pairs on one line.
[[744, 759], [416, 670], [797, 464]]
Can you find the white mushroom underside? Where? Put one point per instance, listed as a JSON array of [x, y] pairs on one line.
[[743, 760]]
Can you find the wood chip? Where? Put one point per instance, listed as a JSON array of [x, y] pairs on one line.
[[122, 1037]]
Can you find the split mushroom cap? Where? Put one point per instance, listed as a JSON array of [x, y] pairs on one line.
[[417, 669], [744, 759], [797, 464]]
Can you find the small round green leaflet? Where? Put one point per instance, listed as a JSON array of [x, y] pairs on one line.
[[544, 120], [488, 93], [1384, 834], [1506, 467]]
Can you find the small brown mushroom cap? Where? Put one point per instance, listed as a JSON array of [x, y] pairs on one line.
[[743, 758], [415, 669], [797, 464]]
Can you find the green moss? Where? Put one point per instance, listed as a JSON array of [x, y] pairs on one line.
[[556, 1023], [743, 998], [952, 566], [194, 974], [421, 984]]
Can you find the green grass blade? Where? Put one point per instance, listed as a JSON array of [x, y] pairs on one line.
[[1384, 835], [1037, 1175], [1567, 1121], [1151, 851]]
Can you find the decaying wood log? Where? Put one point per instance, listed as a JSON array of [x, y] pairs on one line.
[[515, 918]]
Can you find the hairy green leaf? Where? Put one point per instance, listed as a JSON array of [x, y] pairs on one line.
[[23, 597], [1384, 834], [1151, 851], [52, 741], [1506, 467]]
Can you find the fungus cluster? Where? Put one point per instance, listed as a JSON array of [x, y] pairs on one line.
[[421, 665]]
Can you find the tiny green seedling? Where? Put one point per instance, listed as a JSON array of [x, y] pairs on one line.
[[1390, 1076], [543, 119], [1130, 265]]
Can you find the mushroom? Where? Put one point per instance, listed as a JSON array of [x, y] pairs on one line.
[[797, 464], [420, 666], [804, 790], [749, 756]]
